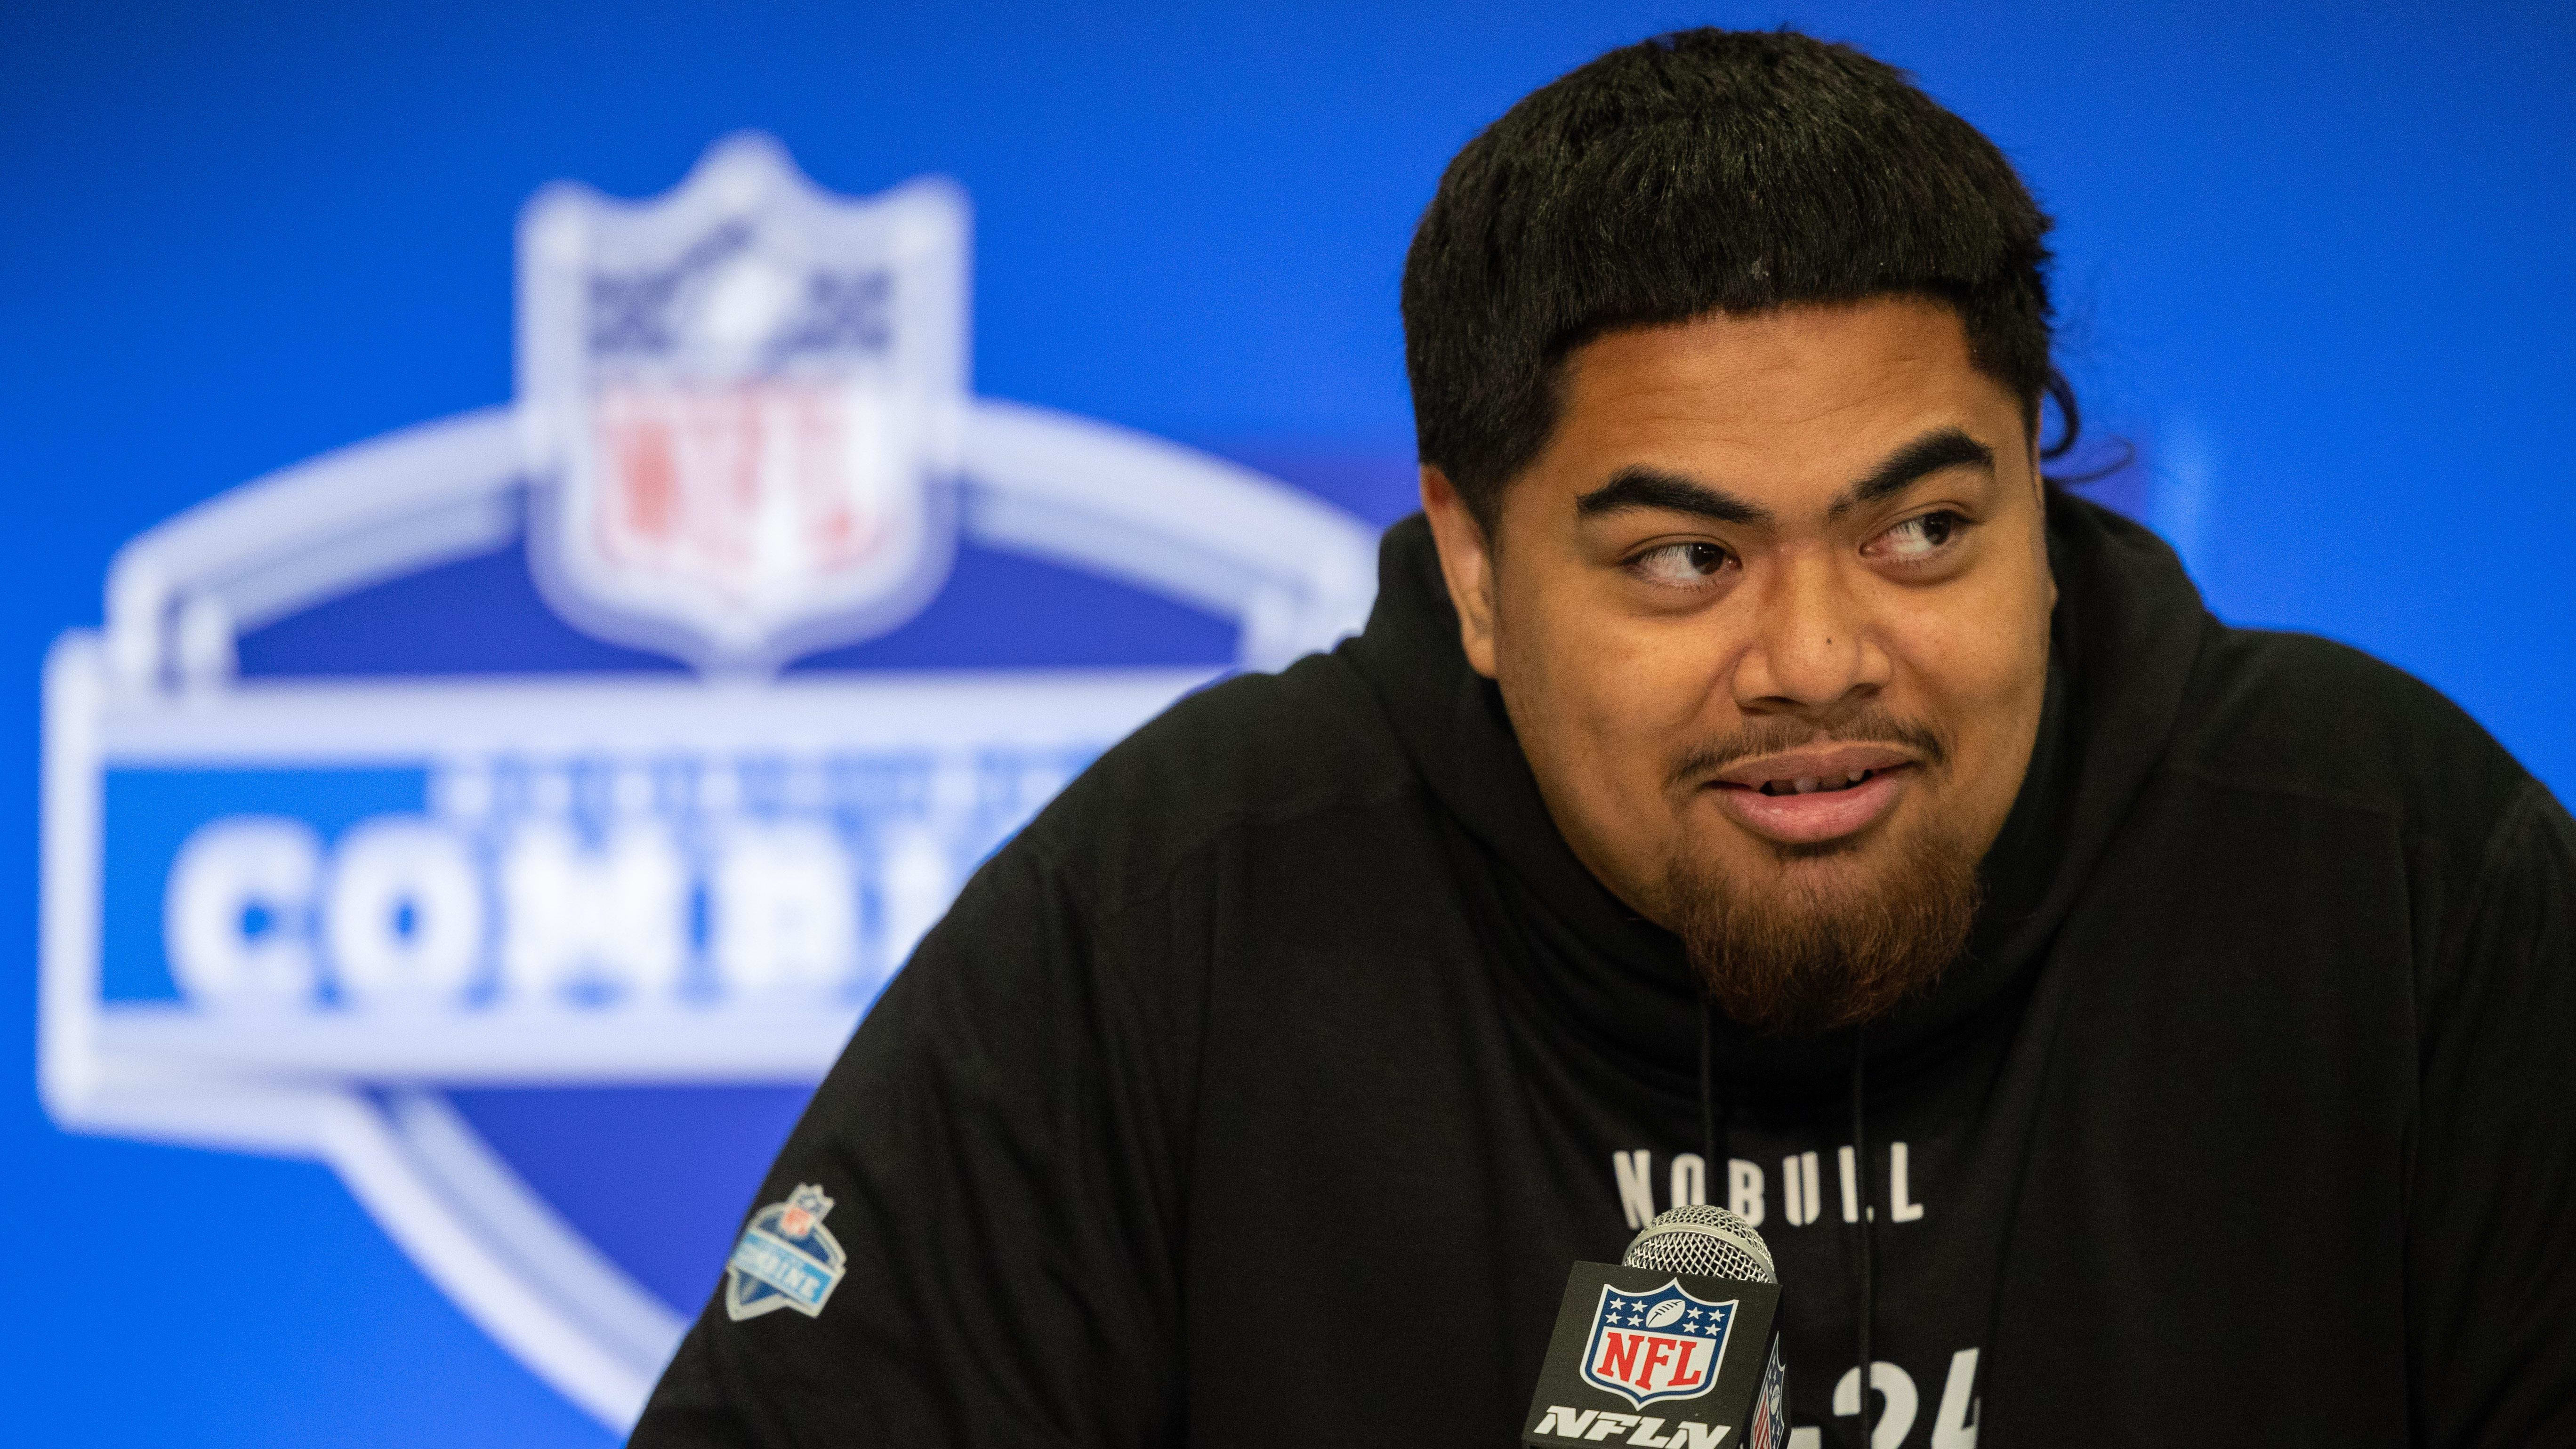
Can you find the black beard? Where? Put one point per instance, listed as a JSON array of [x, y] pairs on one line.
[[1786, 960]]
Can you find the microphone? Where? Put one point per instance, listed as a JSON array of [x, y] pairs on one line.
[[1675, 1335]]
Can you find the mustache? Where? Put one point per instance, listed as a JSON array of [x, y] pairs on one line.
[[1869, 725]]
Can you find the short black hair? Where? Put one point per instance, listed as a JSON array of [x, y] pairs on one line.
[[1697, 172]]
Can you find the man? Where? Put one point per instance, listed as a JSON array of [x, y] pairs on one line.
[[1756, 783]]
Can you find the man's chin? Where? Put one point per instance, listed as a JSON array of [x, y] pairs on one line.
[[1828, 935]]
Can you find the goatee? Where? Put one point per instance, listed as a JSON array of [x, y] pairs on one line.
[[1804, 953]]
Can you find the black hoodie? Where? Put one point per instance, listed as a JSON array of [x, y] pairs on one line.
[[1262, 1091]]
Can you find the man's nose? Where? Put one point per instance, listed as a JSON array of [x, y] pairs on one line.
[[1812, 644]]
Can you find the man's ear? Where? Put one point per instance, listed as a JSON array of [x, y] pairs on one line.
[[1466, 564]]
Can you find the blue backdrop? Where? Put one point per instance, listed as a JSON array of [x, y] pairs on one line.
[[2315, 265]]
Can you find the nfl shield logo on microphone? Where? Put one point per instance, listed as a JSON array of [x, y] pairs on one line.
[[1650, 1347]]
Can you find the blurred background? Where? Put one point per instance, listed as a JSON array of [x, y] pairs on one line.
[[2315, 268]]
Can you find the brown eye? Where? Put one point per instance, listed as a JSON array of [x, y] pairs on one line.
[[1682, 565], [1917, 539]]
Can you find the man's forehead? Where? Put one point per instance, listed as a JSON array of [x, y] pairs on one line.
[[1805, 400], [1791, 335]]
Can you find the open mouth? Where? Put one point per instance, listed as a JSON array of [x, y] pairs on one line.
[[1813, 785], [1835, 801]]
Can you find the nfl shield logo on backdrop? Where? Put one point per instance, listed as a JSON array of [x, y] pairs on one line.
[[1665, 1344], [747, 399]]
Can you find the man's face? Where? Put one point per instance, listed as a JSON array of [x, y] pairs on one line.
[[1770, 616]]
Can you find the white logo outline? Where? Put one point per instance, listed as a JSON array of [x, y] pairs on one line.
[[156, 684]]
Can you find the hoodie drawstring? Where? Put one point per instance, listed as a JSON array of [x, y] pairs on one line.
[[1716, 1115], [1868, 1224], [1715, 1149]]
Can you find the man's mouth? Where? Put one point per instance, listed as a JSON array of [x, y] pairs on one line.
[[1815, 794], [1810, 784]]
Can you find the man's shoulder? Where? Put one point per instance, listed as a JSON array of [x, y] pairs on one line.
[[2300, 715], [1254, 753]]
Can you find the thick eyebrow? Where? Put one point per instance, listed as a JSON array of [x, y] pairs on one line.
[[1654, 488], [1643, 487], [1925, 456]]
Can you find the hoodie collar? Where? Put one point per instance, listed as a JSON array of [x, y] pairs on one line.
[[2126, 630]]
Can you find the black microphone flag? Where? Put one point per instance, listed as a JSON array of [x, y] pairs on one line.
[[1677, 1348]]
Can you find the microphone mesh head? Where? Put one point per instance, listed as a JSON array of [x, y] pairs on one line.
[[1704, 1239]]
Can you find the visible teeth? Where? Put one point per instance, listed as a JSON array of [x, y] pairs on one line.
[[1810, 784]]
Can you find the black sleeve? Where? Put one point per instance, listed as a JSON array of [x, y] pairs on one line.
[[1002, 1143], [2492, 1222]]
